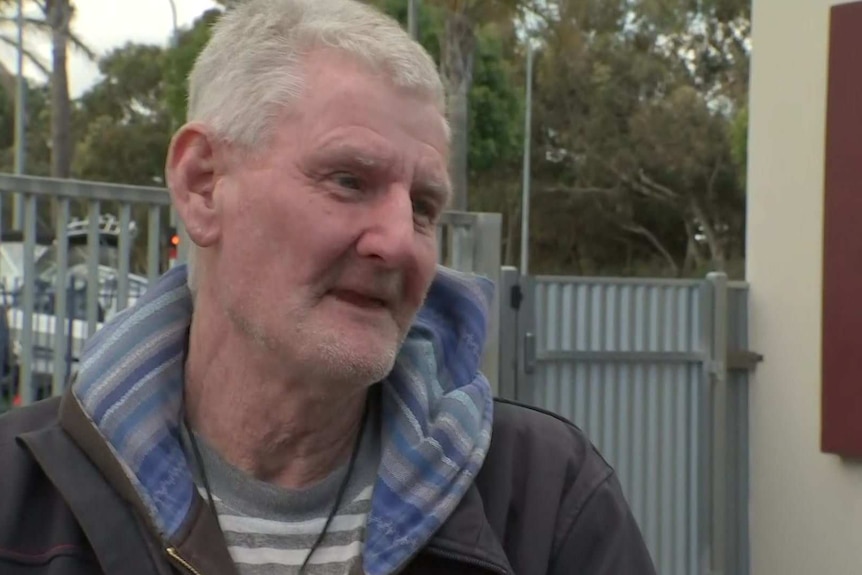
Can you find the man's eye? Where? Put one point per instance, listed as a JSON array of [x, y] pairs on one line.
[[348, 181], [424, 210]]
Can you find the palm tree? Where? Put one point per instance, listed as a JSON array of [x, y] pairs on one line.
[[53, 20], [58, 15], [8, 36]]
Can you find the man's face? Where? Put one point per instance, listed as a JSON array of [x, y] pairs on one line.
[[328, 240]]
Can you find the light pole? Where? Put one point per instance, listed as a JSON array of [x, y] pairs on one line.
[[174, 21], [172, 213], [525, 191], [20, 136], [413, 18]]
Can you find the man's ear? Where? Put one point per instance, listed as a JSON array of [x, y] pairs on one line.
[[191, 172]]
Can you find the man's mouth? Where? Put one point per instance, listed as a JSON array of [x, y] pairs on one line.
[[363, 300]]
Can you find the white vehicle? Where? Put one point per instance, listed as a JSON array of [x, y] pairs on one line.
[[74, 325]]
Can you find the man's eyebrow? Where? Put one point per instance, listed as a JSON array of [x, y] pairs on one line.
[[344, 152], [435, 185]]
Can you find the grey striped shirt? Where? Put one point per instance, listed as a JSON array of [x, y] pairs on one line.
[[270, 530]]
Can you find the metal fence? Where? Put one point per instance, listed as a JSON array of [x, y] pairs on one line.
[[50, 320], [62, 198], [46, 322], [655, 373]]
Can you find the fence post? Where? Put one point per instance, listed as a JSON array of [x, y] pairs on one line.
[[510, 296], [464, 243], [719, 448], [527, 321], [70, 331], [486, 262], [25, 385], [61, 299], [94, 253]]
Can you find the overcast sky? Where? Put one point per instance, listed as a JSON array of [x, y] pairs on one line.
[[106, 24]]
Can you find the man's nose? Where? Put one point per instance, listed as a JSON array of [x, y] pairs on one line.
[[389, 233]]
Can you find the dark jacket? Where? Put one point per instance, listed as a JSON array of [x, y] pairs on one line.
[[545, 502]]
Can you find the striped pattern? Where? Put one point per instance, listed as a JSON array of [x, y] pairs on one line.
[[277, 547], [437, 415], [436, 410], [270, 530]]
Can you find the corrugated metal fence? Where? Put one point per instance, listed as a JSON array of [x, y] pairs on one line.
[[641, 365]]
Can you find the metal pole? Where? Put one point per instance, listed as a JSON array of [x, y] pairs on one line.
[[413, 18], [525, 199], [20, 137], [719, 391], [174, 17], [172, 213]]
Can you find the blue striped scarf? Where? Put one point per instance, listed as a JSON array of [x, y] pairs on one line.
[[436, 411]]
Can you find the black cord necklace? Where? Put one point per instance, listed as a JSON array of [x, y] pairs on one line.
[[339, 496]]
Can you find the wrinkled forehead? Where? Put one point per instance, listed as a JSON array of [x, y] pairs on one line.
[[334, 77], [352, 111], [389, 70]]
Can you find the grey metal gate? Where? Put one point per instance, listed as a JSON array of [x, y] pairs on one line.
[[655, 372]]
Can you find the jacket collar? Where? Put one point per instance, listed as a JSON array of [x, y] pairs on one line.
[[468, 537], [78, 462], [436, 407], [110, 506], [199, 542]]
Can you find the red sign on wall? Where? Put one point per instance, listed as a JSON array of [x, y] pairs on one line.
[[841, 426]]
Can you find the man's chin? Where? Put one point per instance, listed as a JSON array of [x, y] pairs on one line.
[[362, 360]]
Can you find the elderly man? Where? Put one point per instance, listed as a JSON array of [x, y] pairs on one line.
[[306, 398]]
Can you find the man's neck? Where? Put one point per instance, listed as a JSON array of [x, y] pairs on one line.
[[259, 419]]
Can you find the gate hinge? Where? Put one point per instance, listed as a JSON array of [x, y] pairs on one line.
[[743, 359], [516, 296]]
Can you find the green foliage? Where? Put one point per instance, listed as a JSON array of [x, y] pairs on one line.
[[38, 152], [7, 119], [640, 124], [739, 136], [122, 122], [180, 60], [496, 105], [496, 108], [634, 108], [136, 150], [430, 24]]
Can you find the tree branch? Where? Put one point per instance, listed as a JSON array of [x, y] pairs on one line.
[[661, 189], [692, 252], [716, 248], [31, 57], [44, 27], [576, 190], [79, 45], [654, 241], [710, 186], [37, 23]]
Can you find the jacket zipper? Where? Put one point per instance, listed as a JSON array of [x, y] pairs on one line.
[[468, 560], [174, 554]]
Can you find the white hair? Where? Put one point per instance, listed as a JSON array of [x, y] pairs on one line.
[[250, 69]]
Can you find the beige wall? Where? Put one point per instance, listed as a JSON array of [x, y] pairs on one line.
[[806, 507]]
